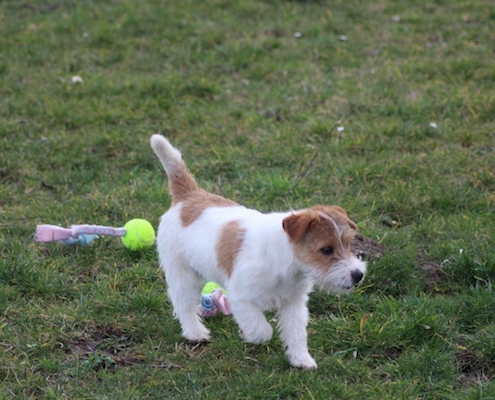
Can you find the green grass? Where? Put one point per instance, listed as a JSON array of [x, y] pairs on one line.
[[248, 103]]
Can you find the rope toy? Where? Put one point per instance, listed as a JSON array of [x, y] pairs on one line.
[[213, 300], [137, 234]]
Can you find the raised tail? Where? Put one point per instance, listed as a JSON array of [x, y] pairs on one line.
[[181, 181]]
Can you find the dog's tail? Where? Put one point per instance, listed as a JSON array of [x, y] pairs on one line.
[[181, 181]]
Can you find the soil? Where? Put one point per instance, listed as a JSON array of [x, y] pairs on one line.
[[364, 247]]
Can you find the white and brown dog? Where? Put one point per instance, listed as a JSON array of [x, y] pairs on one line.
[[264, 261]]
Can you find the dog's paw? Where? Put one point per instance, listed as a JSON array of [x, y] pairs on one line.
[[262, 335], [303, 361], [198, 335], [199, 340]]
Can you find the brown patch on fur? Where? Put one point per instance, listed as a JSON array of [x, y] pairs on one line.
[[316, 230], [336, 213], [228, 246], [181, 184], [184, 188], [296, 225], [198, 201]]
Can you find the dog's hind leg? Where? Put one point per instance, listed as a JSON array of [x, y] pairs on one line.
[[184, 290]]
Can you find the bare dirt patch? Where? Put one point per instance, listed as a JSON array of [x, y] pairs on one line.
[[104, 348], [432, 271], [364, 247], [107, 347], [474, 368]]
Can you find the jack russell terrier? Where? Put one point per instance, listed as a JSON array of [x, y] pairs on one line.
[[264, 261]]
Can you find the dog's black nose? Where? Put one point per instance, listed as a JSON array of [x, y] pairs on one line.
[[356, 276]]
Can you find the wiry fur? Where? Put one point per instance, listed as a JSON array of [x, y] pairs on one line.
[[264, 261]]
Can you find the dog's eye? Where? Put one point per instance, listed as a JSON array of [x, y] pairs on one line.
[[327, 250]]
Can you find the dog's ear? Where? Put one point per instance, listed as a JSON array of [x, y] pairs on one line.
[[343, 214], [296, 225], [337, 213]]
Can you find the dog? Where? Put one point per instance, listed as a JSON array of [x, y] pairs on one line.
[[264, 261]]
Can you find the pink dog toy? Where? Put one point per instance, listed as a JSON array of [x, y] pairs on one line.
[[213, 300], [51, 233], [137, 234]]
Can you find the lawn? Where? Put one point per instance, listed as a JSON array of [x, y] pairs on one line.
[[249, 91]]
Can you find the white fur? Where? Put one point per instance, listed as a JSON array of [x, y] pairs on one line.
[[266, 275]]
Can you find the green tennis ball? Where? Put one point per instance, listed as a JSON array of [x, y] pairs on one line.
[[139, 236], [210, 287]]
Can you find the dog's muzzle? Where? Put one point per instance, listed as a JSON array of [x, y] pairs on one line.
[[357, 276]]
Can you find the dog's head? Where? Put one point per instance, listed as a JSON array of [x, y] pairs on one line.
[[322, 237]]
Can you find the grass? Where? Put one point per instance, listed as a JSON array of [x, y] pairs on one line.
[[248, 91]]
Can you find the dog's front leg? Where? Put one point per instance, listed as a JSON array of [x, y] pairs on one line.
[[292, 322], [251, 319]]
